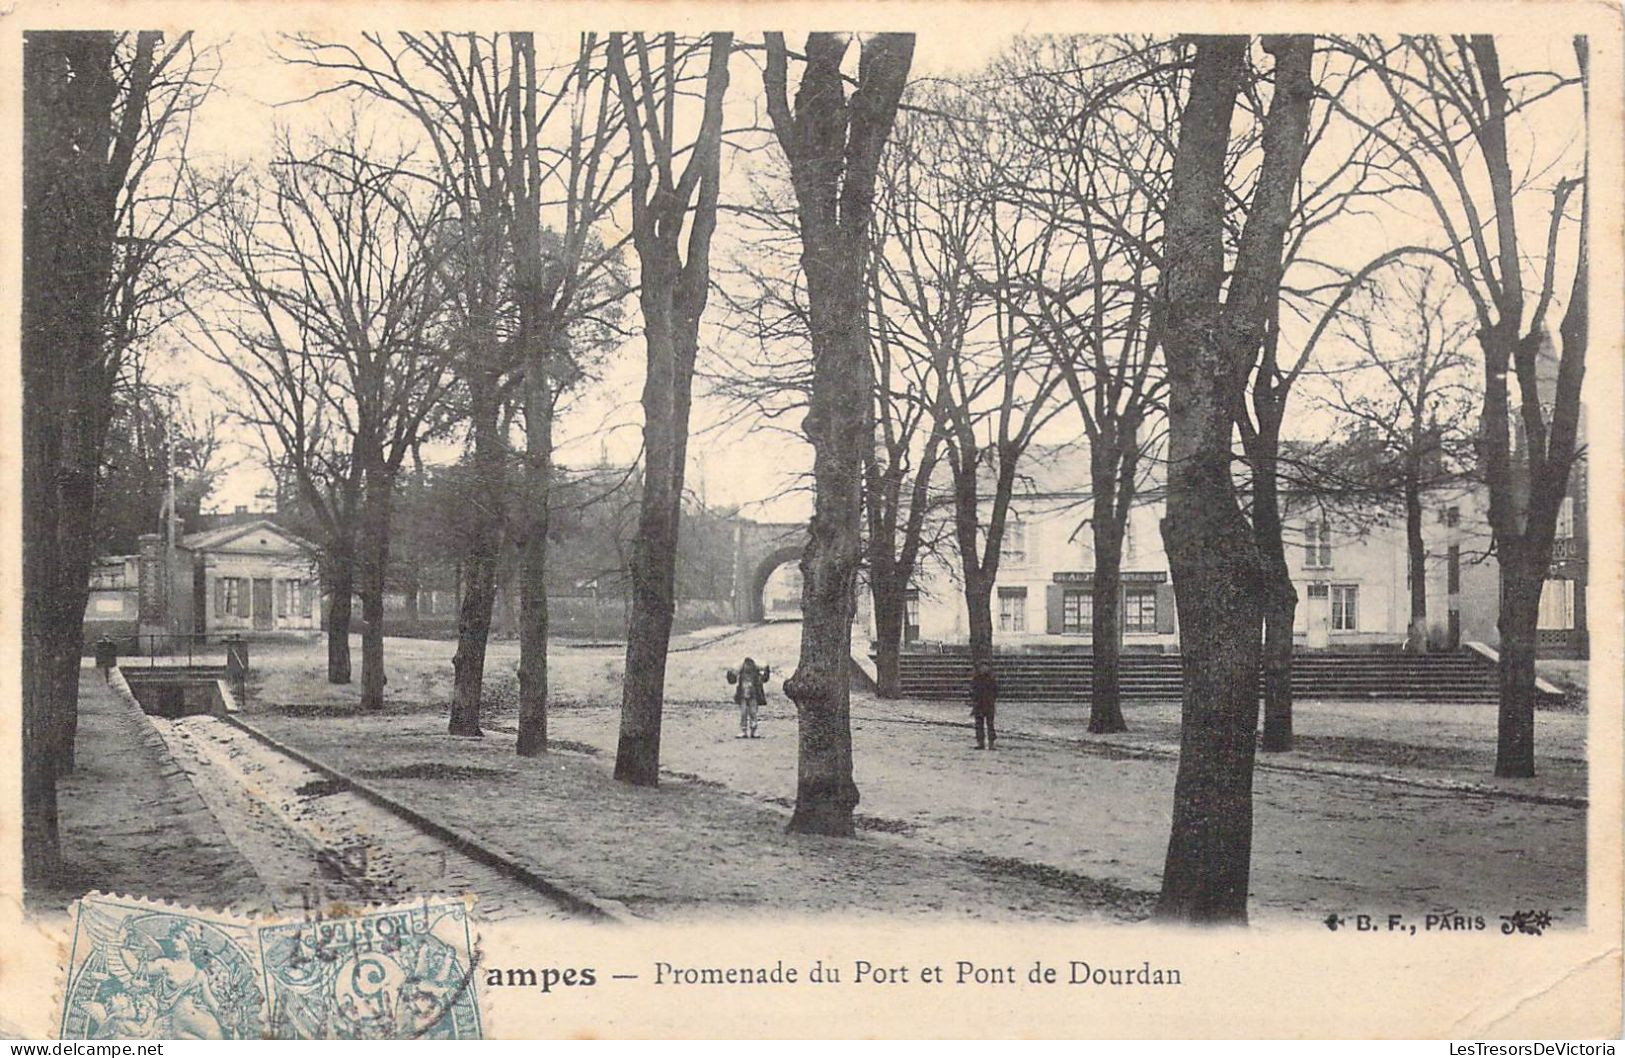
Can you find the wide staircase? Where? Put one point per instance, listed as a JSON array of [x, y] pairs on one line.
[[1454, 677]]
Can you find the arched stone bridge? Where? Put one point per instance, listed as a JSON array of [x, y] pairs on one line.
[[759, 549]]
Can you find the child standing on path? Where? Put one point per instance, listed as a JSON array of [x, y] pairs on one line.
[[750, 694]]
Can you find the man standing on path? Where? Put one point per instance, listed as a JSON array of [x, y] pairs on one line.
[[984, 694]]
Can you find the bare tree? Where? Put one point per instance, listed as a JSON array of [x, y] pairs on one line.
[[566, 281], [1330, 194], [670, 193], [1091, 169], [1214, 331], [900, 500], [287, 385], [524, 151], [1403, 390], [833, 144], [952, 279], [331, 269], [437, 80], [104, 116], [1447, 126], [770, 379]]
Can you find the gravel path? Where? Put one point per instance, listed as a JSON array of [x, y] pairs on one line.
[[1374, 812], [132, 823], [689, 849]]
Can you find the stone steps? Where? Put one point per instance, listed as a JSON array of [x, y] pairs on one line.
[[1429, 677]]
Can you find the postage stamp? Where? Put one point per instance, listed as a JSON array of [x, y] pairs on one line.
[[145, 971], [397, 973]]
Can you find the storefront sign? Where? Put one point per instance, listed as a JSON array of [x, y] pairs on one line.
[[1074, 577]]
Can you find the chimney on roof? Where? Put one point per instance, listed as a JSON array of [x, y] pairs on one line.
[[242, 508]]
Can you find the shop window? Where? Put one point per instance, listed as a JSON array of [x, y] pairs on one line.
[[1140, 610], [1077, 610]]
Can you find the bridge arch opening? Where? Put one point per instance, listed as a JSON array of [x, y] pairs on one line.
[[775, 587]]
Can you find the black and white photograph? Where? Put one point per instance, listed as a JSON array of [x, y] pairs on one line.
[[1153, 481]]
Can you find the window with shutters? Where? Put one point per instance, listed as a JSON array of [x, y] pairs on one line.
[[1345, 608], [231, 597], [1012, 609], [1077, 610], [293, 598], [1140, 610]]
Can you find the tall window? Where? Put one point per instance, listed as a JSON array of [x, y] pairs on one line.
[[1345, 608], [1317, 545], [299, 598], [1453, 570], [1013, 545], [230, 598], [1140, 610], [1012, 609], [911, 615], [1077, 610]]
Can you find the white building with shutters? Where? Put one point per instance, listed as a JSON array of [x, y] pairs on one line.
[[1350, 569]]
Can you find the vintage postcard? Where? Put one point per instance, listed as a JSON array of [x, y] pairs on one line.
[[895, 519]]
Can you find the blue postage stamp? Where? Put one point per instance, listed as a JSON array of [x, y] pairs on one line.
[[405, 972], [148, 971]]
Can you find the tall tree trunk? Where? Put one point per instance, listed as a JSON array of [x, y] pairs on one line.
[[979, 612], [672, 295], [890, 612], [480, 561], [839, 426], [833, 145], [341, 597], [666, 391], [1280, 612], [1280, 597], [1416, 639], [74, 165], [1520, 613], [1211, 346], [533, 524], [1106, 638], [374, 546]]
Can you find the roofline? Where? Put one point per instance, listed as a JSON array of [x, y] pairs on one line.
[[235, 532]]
